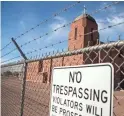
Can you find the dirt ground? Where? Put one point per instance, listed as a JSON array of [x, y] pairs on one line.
[[37, 99]]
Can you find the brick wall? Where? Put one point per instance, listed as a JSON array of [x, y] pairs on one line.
[[40, 71]]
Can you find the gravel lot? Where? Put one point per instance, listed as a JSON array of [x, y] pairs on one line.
[[37, 98]]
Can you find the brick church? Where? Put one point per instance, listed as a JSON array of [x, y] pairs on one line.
[[40, 71]]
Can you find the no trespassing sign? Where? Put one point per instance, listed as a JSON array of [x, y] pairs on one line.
[[84, 90]]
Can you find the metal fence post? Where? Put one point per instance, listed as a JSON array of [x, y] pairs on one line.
[[23, 89], [24, 77]]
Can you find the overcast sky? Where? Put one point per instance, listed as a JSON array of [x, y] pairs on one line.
[[18, 17]]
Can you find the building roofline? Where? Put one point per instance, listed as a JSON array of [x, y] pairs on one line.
[[74, 52]]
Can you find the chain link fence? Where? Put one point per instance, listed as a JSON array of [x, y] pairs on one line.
[[34, 84], [11, 82]]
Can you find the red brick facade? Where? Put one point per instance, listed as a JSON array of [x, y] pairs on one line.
[[84, 24], [41, 70]]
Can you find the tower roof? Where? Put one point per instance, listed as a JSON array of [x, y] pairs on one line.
[[85, 15]]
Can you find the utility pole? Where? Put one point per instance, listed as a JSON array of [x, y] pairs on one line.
[[24, 77]]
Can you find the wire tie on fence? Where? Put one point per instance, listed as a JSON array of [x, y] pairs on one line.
[[109, 26], [24, 44], [65, 9], [105, 7], [54, 14], [63, 25]]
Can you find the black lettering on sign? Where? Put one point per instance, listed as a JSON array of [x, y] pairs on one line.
[[54, 108], [88, 108], [104, 98], [75, 76], [96, 111]]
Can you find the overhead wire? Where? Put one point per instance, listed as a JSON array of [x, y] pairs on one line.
[[44, 21], [65, 25], [108, 27]]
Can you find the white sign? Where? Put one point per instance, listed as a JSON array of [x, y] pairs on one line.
[[85, 90]]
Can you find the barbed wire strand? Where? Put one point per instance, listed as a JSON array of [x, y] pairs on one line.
[[51, 45], [63, 26], [108, 27], [44, 21], [10, 59]]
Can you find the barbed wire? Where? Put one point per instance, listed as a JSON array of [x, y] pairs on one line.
[[106, 20], [51, 45], [60, 42], [9, 52], [63, 26], [10, 59], [44, 21], [108, 27]]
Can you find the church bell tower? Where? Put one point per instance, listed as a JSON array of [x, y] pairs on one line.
[[80, 36]]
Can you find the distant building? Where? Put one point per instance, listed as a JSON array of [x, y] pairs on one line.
[[16, 70]]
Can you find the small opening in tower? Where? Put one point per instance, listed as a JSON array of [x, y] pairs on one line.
[[91, 34], [45, 75], [120, 54], [75, 33], [40, 68]]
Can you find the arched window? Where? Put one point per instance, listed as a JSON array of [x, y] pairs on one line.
[[45, 75], [75, 33], [40, 67], [91, 34], [122, 77], [120, 54]]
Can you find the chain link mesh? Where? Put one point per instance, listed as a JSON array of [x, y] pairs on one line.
[[38, 78], [11, 81]]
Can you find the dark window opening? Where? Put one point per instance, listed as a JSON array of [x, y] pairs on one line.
[[122, 77], [40, 68], [120, 54], [45, 75], [91, 34], [75, 33]]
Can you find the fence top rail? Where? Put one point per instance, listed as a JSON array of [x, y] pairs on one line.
[[69, 53]]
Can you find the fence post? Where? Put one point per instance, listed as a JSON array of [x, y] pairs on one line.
[[23, 89], [51, 65], [24, 77]]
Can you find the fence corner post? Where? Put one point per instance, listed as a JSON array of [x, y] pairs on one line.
[[24, 77]]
